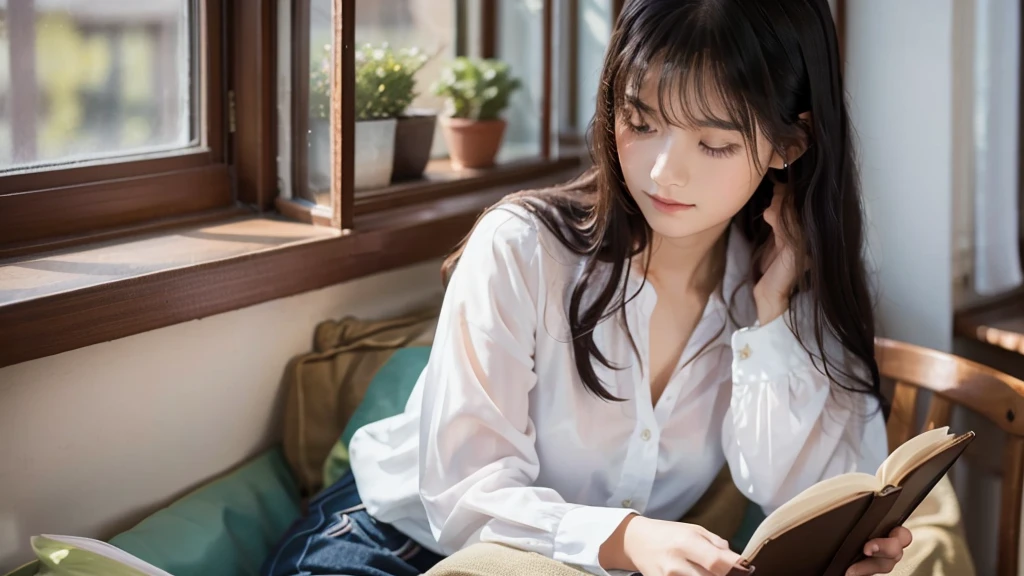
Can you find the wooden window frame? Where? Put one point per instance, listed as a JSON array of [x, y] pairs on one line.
[[53, 208], [396, 227], [346, 205]]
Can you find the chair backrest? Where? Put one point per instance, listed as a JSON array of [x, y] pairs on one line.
[[955, 381]]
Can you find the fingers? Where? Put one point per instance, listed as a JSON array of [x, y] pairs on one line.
[[694, 570], [715, 560], [883, 554], [872, 566], [773, 217], [713, 538], [902, 534], [884, 548], [771, 214]]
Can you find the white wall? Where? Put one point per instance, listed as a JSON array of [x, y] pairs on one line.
[[93, 439], [899, 75]]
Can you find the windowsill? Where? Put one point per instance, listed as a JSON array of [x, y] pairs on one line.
[[63, 300], [999, 322]]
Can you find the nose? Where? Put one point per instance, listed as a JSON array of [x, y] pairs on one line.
[[669, 170]]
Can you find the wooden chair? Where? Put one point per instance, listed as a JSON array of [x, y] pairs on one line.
[[955, 381]]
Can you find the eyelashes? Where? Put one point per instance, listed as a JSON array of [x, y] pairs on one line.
[[721, 152], [639, 128], [726, 151]]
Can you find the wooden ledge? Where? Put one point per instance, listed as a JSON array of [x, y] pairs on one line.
[[65, 300], [999, 322]]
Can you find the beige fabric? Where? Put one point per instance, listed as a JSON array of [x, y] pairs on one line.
[[939, 547], [324, 387], [497, 560]]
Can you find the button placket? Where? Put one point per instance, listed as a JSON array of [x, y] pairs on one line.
[[648, 440], [642, 454]]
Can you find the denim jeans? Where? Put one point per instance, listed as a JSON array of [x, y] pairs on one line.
[[337, 536]]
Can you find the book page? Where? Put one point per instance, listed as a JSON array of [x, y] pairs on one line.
[[909, 455], [811, 502], [108, 551]]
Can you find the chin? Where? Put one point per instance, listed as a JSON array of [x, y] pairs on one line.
[[679, 225]]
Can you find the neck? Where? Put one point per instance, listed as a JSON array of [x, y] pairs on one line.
[[695, 262]]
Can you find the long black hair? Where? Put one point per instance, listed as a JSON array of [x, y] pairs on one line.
[[768, 62]]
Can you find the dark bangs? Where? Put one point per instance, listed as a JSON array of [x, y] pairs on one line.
[[710, 72]]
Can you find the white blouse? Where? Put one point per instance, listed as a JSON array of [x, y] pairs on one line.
[[500, 441]]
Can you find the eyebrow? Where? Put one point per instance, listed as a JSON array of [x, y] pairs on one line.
[[715, 123]]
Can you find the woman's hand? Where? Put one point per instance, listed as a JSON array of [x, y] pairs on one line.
[[883, 553], [661, 548], [771, 294]]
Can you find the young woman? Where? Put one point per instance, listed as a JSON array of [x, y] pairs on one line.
[[697, 299]]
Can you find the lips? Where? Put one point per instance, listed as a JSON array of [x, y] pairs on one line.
[[669, 206]]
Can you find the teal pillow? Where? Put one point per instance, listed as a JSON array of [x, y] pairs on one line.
[[385, 396], [227, 527], [752, 518]]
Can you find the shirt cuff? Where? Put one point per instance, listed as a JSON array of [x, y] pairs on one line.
[[765, 353], [581, 533]]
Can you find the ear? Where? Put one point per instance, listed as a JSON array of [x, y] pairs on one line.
[[797, 150]]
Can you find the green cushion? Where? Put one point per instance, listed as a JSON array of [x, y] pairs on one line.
[[227, 527], [751, 520], [385, 396]]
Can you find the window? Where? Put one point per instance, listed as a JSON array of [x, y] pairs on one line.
[[118, 116], [82, 82], [346, 151], [174, 129], [110, 116]]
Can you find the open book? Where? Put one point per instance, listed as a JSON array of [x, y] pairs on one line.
[[74, 556], [822, 530]]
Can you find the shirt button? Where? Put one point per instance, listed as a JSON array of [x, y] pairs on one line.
[[645, 435], [627, 503], [745, 352]]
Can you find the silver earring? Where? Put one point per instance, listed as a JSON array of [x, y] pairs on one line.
[[785, 165]]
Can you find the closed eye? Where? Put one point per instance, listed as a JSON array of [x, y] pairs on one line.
[[642, 128], [636, 121], [720, 151]]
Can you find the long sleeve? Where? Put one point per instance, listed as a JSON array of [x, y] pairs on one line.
[[478, 460], [787, 427]]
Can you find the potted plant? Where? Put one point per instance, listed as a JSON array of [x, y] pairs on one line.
[[477, 91], [384, 88], [414, 133]]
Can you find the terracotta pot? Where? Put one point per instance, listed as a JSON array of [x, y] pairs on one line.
[[472, 143], [414, 137]]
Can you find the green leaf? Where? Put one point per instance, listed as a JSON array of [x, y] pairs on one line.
[[476, 88]]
